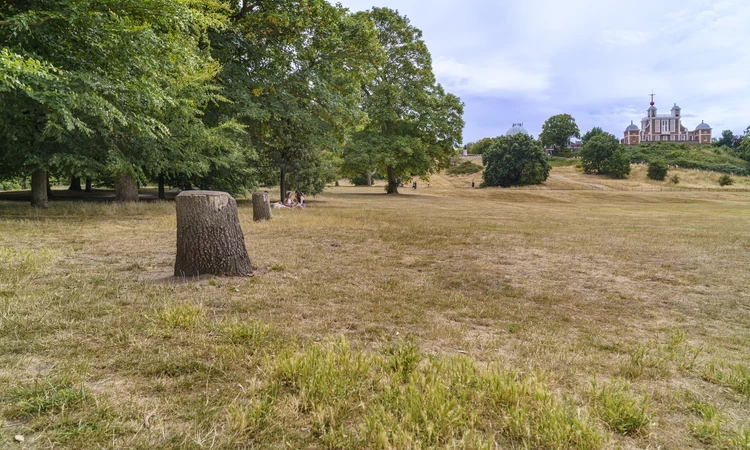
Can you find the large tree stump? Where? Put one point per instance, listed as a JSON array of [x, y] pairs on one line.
[[261, 206], [209, 236], [126, 190]]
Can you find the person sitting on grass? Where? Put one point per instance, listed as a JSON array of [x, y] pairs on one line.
[[288, 202], [300, 199]]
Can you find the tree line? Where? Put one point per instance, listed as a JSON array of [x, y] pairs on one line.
[[217, 94]]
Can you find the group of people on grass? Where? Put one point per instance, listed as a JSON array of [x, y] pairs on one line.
[[292, 200]]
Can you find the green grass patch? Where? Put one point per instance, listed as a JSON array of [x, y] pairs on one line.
[[736, 376], [689, 157], [624, 412]]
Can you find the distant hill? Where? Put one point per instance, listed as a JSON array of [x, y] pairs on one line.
[[690, 157]]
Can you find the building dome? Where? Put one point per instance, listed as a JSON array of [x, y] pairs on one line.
[[702, 126], [632, 127], [675, 107], [517, 128]]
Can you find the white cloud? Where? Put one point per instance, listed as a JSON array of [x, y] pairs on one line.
[[491, 76]]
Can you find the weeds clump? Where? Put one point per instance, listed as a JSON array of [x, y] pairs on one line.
[[674, 179], [712, 430], [736, 377], [623, 412], [726, 180], [654, 360]]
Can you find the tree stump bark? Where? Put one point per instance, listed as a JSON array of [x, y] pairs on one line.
[[88, 185], [261, 206], [209, 236], [125, 189], [39, 189]]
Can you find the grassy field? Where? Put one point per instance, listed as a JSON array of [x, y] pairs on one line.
[[442, 318]]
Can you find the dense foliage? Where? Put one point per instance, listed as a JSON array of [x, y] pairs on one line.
[[557, 132], [657, 169], [689, 157], [217, 94], [603, 154], [480, 146], [516, 160], [414, 126]]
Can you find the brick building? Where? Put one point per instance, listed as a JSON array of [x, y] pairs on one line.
[[665, 127]]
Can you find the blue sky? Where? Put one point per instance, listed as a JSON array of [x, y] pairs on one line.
[[526, 60]]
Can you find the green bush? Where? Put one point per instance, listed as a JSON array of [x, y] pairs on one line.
[[465, 168], [603, 154], [726, 180], [674, 179], [657, 169], [516, 160]]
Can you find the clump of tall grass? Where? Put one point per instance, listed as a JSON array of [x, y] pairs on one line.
[[624, 412]]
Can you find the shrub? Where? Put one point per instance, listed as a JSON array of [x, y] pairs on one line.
[[726, 180], [516, 160], [465, 168], [674, 179], [603, 154], [657, 169]]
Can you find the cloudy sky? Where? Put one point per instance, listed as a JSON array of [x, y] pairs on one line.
[[526, 60]]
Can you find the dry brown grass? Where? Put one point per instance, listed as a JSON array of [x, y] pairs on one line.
[[647, 290]]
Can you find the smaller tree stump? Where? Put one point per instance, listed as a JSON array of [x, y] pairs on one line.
[[261, 206], [209, 236]]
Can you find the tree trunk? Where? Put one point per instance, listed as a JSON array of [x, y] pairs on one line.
[[282, 184], [125, 189], [209, 236], [392, 187], [75, 184], [39, 189], [369, 178], [88, 185], [162, 195], [261, 206], [49, 186]]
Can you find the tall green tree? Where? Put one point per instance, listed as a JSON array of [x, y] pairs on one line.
[[557, 132], [516, 160], [293, 71], [414, 126], [101, 85], [603, 154]]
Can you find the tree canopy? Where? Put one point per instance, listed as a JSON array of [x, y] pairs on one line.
[[413, 125], [516, 160], [109, 86], [603, 154], [217, 94], [558, 130]]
